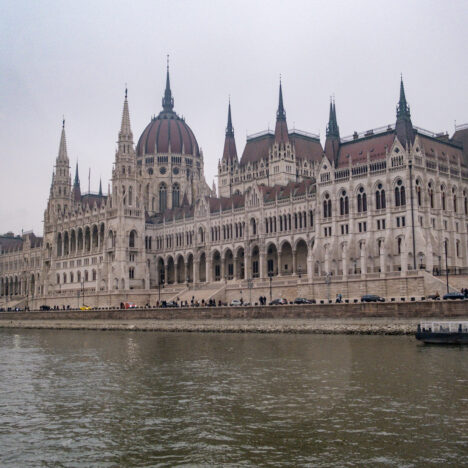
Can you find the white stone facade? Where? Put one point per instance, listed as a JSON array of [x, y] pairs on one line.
[[289, 213]]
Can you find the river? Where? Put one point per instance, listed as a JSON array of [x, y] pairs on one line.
[[110, 398]]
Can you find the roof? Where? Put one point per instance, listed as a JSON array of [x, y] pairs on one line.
[[225, 203], [356, 150], [306, 147], [461, 136], [167, 132], [9, 242], [294, 189], [442, 150]]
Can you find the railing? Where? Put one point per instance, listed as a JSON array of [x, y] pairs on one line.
[[306, 134], [461, 127], [259, 134], [367, 133]]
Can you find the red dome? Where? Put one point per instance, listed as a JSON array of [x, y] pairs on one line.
[[167, 129]]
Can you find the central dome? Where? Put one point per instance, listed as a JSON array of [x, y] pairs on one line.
[[167, 133]]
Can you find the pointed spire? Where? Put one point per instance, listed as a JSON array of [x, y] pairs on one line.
[[63, 155], [168, 100], [100, 187], [77, 177], [281, 128], [403, 109], [229, 128], [125, 128], [280, 114], [230, 151], [76, 186], [404, 127], [332, 128]]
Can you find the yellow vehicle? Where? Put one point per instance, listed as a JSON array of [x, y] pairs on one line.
[[85, 307]]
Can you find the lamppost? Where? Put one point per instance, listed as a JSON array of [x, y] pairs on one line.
[[270, 276], [327, 282], [446, 266], [82, 290], [410, 164], [161, 282]]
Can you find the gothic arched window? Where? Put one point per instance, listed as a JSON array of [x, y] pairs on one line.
[[400, 196], [361, 200], [175, 195], [380, 202], [430, 191], [162, 197], [344, 203], [327, 207]]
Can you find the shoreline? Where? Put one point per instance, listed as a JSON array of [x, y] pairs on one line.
[[347, 326]]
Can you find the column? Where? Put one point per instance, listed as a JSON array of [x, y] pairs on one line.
[[196, 271], [209, 270], [262, 266], [345, 261], [294, 262], [310, 267]]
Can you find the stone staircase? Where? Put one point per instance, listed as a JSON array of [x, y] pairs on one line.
[[213, 291]]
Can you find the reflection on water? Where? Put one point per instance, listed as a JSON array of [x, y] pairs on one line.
[[84, 398]]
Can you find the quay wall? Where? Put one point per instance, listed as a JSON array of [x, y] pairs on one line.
[[397, 310]]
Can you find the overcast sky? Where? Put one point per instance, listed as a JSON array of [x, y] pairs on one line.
[[73, 58]]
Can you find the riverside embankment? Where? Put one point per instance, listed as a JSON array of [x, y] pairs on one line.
[[369, 318]]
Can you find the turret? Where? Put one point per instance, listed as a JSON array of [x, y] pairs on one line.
[[76, 187], [230, 152]]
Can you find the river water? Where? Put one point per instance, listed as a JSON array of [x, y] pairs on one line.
[[97, 398]]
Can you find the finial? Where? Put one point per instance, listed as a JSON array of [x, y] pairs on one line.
[[126, 91], [167, 57], [63, 121]]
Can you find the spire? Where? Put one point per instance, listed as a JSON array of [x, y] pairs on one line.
[[332, 128], [125, 128], [403, 109], [77, 177], [230, 151], [404, 127], [168, 100], [280, 114], [76, 186], [229, 128], [100, 187], [62, 155], [281, 128]]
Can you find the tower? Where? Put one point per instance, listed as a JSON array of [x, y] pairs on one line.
[[60, 189], [282, 164]]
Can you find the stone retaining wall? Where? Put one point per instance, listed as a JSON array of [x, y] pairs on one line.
[[421, 309]]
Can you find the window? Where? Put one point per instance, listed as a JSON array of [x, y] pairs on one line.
[[400, 196], [344, 229], [442, 197], [381, 224], [175, 195], [401, 221], [344, 204], [362, 227], [433, 223], [162, 197], [361, 201], [131, 272], [418, 192], [380, 197], [430, 192], [327, 231], [327, 207], [131, 239]]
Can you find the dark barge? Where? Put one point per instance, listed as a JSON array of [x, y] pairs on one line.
[[443, 332]]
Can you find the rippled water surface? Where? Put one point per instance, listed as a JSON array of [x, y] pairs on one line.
[[91, 398]]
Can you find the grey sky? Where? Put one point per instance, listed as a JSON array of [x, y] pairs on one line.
[[74, 58]]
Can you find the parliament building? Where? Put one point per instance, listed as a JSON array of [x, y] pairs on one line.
[[383, 211]]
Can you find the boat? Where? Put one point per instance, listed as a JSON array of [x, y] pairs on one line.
[[454, 332]]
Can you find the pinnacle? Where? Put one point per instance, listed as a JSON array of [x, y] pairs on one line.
[[125, 128], [229, 128], [62, 155]]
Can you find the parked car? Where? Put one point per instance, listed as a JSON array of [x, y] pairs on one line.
[[236, 303], [303, 300], [170, 304], [372, 298], [434, 297], [85, 307], [454, 295], [44, 307], [130, 305], [280, 301]]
